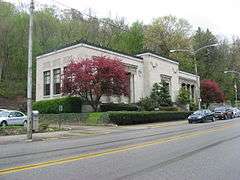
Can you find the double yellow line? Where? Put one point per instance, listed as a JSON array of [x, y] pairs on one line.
[[109, 151], [163, 125]]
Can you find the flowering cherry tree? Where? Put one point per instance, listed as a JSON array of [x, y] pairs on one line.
[[93, 77], [211, 92]]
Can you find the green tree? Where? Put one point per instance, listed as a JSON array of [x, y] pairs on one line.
[[131, 41], [206, 58], [166, 33], [184, 96], [160, 94], [213, 61]]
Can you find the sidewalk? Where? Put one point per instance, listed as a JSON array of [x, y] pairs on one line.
[[84, 131], [74, 131]]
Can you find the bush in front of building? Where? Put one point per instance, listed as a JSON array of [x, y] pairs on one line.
[[118, 107], [184, 96], [193, 106], [94, 118], [159, 98], [69, 104], [160, 94], [128, 118], [147, 104], [168, 108]]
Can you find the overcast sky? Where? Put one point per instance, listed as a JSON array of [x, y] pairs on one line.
[[220, 16]]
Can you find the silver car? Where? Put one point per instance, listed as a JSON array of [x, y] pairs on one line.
[[236, 112], [11, 117]]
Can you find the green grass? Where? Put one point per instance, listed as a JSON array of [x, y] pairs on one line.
[[94, 118]]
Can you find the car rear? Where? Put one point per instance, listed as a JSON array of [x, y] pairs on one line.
[[220, 113]]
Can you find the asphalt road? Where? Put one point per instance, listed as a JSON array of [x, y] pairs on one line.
[[209, 151]]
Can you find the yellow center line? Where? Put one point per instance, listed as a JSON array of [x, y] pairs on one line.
[[166, 125], [109, 151]]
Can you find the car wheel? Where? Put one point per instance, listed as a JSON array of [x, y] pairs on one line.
[[4, 124], [204, 120], [225, 117], [213, 119], [190, 122], [25, 124]]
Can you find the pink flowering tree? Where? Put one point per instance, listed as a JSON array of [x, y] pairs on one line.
[[211, 92], [91, 78]]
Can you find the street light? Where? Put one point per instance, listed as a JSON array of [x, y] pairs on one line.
[[235, 84], [234, 72], [194, 52]]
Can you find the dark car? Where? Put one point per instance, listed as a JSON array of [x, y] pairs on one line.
[[201, 116], [223, 112]]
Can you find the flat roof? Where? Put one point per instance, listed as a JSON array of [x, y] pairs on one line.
[[158, 56], [84, 42]]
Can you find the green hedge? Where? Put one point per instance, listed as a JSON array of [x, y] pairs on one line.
[[95, 118], [127, 118], [118, 107], [168, 108], [70, 105]]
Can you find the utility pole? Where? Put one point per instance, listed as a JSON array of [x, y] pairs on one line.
[[29, 78], [198, 82], [235, 84], [236, 93]]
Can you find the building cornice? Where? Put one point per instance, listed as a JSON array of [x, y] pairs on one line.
[[158, 57], [188, 74], [91, 46]]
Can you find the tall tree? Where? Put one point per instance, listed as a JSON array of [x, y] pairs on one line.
[[131, 41], [7, 14], [207, 57], [166, 33], [211, 92]]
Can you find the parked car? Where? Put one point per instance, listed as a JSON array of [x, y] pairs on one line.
[[223, 112], [11, 117], [201, 116], [236, 112]]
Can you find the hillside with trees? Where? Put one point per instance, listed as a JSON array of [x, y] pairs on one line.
[[55, 27]]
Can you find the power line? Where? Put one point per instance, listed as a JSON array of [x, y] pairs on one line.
[[90, 16]]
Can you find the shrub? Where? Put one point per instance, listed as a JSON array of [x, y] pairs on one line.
[[160, 94], [184, 96], [118, 107], [127, 118], [74, 118], [147, 104], [193, 106], [70, 105], [168, 108]]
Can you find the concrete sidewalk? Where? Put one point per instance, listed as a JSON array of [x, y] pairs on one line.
[[84, 131], [72, 131]]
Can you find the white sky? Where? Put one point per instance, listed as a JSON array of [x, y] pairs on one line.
[[220, 16]]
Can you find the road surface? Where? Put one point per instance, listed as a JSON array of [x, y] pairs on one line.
[[178, 151]]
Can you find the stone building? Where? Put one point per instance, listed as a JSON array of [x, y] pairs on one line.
[[144, 69]]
